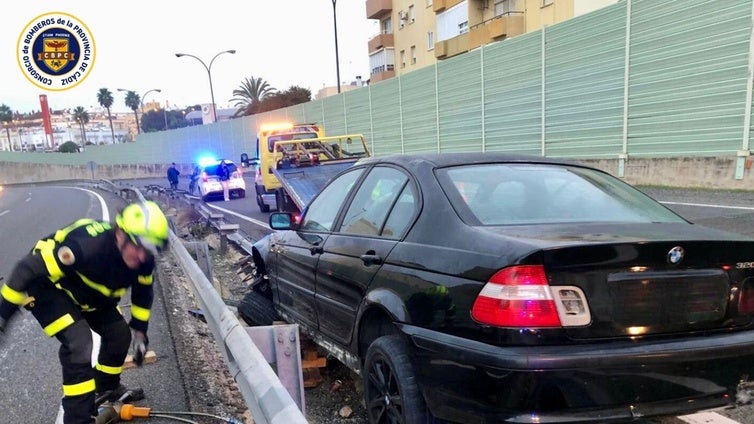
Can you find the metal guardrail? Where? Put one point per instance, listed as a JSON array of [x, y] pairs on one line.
[[266, 397]]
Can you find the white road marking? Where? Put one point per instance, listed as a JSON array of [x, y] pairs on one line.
[[707, 418], [702, 205], [238, 215], [4, 212]]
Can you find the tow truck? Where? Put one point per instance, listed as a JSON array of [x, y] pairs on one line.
[[296, 160]]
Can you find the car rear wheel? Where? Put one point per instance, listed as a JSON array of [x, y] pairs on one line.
[[390, 389], [256, 309]]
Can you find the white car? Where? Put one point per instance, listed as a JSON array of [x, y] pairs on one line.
[[209, 183]]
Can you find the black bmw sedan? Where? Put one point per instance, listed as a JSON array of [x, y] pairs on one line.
[[484, 287]]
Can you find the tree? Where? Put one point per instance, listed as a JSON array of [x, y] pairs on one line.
[[68, 147], [6, 116], [105, 99], [82, 117], [250, 94], [133, 101], [293, 96]]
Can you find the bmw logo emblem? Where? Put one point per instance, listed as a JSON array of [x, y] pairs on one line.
[[675, 255]]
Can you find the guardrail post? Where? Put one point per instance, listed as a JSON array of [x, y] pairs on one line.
[[224, 230]]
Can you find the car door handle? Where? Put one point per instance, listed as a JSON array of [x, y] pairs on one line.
[[316, 250], [371, 259]]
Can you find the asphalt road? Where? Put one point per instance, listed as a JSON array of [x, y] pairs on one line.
[[30, 377]]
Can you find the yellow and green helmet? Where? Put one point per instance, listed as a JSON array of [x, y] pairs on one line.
[[145, 225]]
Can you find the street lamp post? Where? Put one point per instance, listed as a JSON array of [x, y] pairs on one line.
[[141, 100], [209, 74], [337, 61]]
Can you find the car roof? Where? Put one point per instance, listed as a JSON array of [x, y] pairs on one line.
[[465, 158]]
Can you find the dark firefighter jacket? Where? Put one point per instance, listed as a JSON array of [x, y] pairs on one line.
[[83, 260]]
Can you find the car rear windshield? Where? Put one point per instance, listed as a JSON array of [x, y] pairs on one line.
[[212, 169], [510, 194]]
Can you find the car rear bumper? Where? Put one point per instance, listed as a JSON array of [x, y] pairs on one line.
[[467, 381]]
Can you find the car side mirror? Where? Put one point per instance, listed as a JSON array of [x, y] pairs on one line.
[[281, 221]]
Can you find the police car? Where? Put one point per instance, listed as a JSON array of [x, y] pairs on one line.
[[209, 183]]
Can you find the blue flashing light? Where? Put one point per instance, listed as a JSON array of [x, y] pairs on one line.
[[207, 160]]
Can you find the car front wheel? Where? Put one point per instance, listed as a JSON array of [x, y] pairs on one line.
[[390, 389]]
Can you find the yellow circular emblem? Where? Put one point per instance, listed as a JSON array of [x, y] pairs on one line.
[[65, 255]]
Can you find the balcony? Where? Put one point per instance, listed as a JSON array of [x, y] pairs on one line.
[[381, 76], [496, 29], [381, 41], [378, 8], [452, 47], [440, 5]]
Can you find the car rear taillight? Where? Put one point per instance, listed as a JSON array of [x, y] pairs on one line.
[[746, 299], [518, 296]]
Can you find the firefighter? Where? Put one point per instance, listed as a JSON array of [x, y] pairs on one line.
[[72, 282]]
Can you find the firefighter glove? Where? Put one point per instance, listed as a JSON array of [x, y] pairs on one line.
[[139, 344]]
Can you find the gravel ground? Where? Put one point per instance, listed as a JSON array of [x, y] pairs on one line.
[[210, 387]]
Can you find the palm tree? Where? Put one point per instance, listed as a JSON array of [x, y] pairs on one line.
[[132, 102], [6, 116], [105, 99], [249, 94], [82, 117]]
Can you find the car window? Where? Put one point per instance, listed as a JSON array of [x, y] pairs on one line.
[[402, 213], [211, 170], [502, 194], [321, 212], [373, 201]]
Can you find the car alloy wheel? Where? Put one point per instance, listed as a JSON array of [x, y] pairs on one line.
[[390, 389]]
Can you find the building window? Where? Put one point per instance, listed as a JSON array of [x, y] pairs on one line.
[[508, 7], [451, 22], [411, 17], [403, 58], [387, 26], [547, 2], [430, 40], [413, 55], [463, 27]]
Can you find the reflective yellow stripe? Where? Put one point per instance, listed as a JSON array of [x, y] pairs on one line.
[[142, 314], [45, 247], [79, 389], [101, 288], [62, 233], [146, 279], [58, 325], [109, 370], [12, 296]]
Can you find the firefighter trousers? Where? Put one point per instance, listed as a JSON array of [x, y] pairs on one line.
[[61, 318]]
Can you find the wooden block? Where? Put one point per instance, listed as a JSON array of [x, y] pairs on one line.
[[149, 358], [314, 363], [312, 377]]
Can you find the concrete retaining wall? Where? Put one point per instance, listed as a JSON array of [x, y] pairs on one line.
[[688, 172]]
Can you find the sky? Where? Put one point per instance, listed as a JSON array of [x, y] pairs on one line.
[[286, 43]]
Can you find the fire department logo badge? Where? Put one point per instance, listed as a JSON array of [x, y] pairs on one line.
[[55, 51], [65, 256]]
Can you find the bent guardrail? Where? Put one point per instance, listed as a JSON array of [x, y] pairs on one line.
[[266, 397]]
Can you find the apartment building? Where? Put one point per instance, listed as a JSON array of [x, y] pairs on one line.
[[416, 33]]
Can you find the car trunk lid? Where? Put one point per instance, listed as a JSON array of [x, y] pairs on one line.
[[687, 279]]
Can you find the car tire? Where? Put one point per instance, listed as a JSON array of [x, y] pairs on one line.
[[256, 309], [388, 374], [263, 207], [241, 194]]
